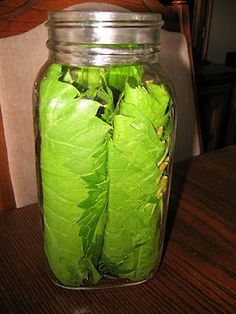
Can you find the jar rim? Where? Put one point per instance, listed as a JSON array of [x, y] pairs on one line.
[[106, 17], [102, 37]]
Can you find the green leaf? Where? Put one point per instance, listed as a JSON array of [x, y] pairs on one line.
[[151, 103], [131, 230], [56, 98], [160, 94], [118, 76], [135, 205], [73, 149], [88, 77]]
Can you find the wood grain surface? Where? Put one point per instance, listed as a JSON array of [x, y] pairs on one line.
[[197, 274]]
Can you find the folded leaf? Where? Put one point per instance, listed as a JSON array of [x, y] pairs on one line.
[[130, 239], [73, 154], [151, 102], [135, 202], [118, 76]]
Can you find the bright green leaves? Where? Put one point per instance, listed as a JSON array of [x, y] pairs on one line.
[[104, 153], [88, 77], [118, 76], [56, 98], [134, 207], [71, 132], [91, 81], [151, 102], [129, 237]]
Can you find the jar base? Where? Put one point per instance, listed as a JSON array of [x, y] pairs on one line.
[[111, 284]]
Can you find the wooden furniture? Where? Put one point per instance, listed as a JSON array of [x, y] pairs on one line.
[[14, 21], [216, 86], [23, 52], [201, 13], [197, 274]]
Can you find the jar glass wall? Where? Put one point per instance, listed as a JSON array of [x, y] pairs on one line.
[[105, 125]]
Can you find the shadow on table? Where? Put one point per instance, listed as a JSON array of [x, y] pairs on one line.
[[178, 181]]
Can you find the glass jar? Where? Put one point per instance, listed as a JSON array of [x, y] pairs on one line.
[[105, 131]]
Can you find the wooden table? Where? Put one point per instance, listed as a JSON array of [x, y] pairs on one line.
[[197, 274]]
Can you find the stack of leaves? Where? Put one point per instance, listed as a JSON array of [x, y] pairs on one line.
[[105, 139]]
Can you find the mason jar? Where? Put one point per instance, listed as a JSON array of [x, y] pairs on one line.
[[105, 128]]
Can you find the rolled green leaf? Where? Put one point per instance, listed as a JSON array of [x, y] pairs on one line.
[[131, 239], [74, 180]]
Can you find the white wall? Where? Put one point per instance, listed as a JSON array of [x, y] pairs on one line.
[[223, 30]]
